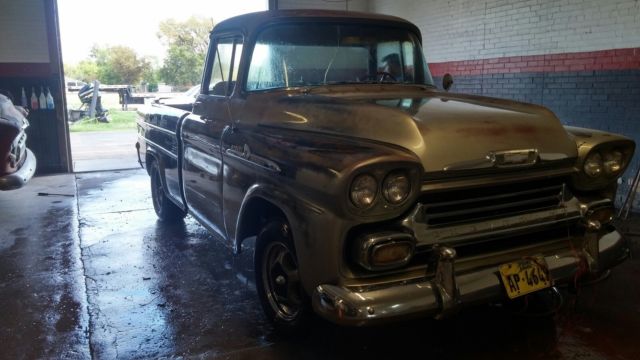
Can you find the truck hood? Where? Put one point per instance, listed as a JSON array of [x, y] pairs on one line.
[[447, 132]]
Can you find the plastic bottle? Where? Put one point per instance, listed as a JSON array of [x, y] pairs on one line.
[[43, 99], [23, 99], [34, 100], [50, 104]]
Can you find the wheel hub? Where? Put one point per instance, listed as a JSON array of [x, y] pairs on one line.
[[281, 281]]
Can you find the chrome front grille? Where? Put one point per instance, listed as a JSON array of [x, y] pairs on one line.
[[478, 204]]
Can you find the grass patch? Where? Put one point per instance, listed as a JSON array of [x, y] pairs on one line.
[[118, 120]]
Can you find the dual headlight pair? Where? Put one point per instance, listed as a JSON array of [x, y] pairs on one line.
[[395, 189], [607, 162]]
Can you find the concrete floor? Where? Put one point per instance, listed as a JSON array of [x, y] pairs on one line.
[[94, 275], [104, 150]]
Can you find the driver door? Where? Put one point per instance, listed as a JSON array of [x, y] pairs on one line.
[[202, 132]]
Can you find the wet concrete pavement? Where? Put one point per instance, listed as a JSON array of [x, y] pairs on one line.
[[43, 312], [96, 276], [104, 150]]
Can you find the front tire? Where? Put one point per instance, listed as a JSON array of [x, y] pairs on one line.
[[282, 297], [165, 209]]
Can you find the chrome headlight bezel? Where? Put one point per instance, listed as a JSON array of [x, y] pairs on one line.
[[593, 165], [396, 187], [613, 162], [601, 165], [384, 204], [363, 191]]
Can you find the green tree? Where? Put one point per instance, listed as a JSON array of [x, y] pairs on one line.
[[187, 43], [119, 64], [85, 70]]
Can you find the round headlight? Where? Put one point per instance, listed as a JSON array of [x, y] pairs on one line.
[[593, 165], [363, 190], [612, 162], [396, 188]]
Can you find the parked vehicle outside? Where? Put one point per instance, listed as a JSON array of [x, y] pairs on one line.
[[73, 84], [183, 101], [18, 162], [372, 195]]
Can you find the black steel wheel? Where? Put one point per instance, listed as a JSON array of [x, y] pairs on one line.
[[282, 297], [164, 208]]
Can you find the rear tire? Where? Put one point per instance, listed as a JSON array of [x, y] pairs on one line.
[[165, 208], [283, 299]]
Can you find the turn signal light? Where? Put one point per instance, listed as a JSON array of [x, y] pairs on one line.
[[384, 251], [392, 253]]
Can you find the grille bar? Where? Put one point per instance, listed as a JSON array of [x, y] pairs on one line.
[[491, 202], [500, 196], [545, 200]]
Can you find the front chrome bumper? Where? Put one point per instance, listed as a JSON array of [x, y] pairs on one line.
[[446, 292], [19, 178]]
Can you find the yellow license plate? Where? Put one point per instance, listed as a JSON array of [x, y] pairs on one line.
[[524, 277]]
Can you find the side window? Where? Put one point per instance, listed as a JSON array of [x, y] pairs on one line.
[[224, 70]]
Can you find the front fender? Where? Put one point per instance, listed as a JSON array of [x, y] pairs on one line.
[[317, 232], [296, 209]]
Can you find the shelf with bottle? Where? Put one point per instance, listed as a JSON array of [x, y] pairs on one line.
[[44, 101]]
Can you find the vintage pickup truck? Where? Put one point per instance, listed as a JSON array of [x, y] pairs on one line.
[[372, 195]]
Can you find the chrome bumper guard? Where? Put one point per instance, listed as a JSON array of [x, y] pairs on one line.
[[19, 178], [447, 292]]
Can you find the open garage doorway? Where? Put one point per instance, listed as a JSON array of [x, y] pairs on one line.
[[120, 55]]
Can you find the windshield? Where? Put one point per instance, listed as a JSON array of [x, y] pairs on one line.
[[319, 54]]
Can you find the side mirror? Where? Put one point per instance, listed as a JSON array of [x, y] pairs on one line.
[[447, 81]]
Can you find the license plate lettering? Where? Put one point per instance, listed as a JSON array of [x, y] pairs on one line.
[[513, 283], [524, 277]]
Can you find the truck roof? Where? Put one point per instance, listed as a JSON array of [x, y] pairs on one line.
[[248, 23]]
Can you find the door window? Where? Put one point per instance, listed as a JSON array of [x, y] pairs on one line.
[[225, 66]]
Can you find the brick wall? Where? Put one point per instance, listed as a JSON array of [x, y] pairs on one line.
[[24, 32], [352, 5], [579, 58], [475, 29]]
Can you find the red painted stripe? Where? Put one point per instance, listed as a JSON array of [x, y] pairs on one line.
[[25, 69], [618, 59]]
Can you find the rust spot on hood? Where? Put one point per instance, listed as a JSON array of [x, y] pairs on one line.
[[483, 131], [525, 129], [498, 130]]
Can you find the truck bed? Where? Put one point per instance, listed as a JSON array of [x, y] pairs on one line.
[[159, 141]]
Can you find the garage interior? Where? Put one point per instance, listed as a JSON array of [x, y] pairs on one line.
[[86, 271]]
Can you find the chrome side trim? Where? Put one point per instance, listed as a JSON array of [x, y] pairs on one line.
[[161, 129], [163, 150], [203, 161], [254, 160]]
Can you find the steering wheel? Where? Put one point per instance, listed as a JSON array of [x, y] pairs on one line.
[[383, 75]]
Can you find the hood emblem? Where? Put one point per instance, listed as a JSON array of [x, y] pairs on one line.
[[513, 158]]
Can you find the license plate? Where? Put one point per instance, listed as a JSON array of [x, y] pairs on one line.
[[524, 277]]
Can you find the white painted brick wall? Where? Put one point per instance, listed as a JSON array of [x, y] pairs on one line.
[[23, 32], [468, 29], [352, 5]]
